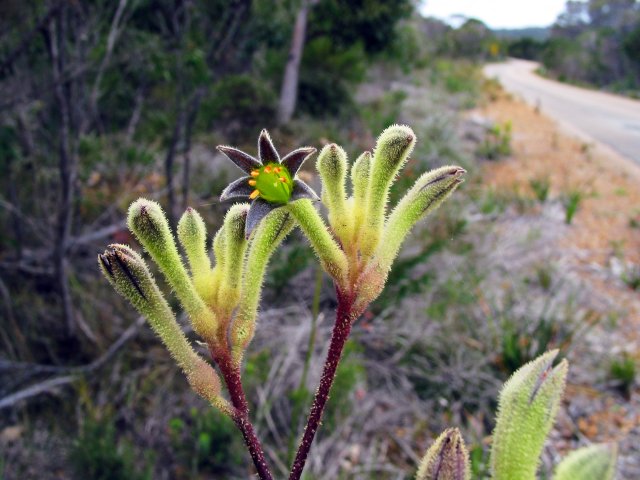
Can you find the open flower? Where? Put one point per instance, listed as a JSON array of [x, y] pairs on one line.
[[271, 182]]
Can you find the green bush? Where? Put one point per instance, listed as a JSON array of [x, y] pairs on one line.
[[496, 143], [328, 75], [572, 203], [541, 187], [96, 454], [239, 97], [623, 371], [206, 442]]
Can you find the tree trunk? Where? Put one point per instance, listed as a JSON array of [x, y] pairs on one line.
[[169, 166], [67, 164], [194, 106], [289, 91]]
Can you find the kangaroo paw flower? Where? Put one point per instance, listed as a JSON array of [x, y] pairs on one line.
[[270, 182]]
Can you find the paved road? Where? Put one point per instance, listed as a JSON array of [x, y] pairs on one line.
[[592, 115]]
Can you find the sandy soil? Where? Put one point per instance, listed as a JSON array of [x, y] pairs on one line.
[[604, 235]]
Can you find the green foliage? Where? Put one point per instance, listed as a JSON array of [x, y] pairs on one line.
[[496, 143], [328, 75], [97, 454], [234, 97], [623, 371], [521, 343], [523, 337], [372, 23], [541, 187], [472, 39], [595, 43], [526, 48], [406, 51], [459, 77], [479, 462], [492, 202], [206, 443], [631, 277], [571, 204]]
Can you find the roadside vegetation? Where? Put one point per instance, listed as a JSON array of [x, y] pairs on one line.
[[593, 43]]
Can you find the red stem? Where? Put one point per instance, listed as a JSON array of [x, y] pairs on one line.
[[339, 336], [231, 374]]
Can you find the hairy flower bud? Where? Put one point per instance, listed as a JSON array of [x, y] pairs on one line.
[[527, 408], [129, 275], [360, 174], [392, 150], [595, 462], [447, 459], [268, 235], [149, 224], [427, 194], [192, 234], [332, 167], [235, 245]]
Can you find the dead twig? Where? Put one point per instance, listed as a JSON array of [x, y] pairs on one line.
[[69, 374]]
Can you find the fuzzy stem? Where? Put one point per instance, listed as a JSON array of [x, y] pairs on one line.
[[297, 406], [328, 251], [339, 336], [231, 373]]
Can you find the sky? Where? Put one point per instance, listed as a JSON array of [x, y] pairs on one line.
[[498, 13]]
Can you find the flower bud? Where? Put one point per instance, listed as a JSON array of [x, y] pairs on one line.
[[360, 174], [129, 275], [427, 194], [595, 462], [332, 167], [131, 278], [235, 245], [268, 235], [218, 269], [527, 408], [392, 150], [149, 224], [192, 234], [447, 459]]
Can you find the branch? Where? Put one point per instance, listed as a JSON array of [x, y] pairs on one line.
[[111, 41], [97, 234]]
